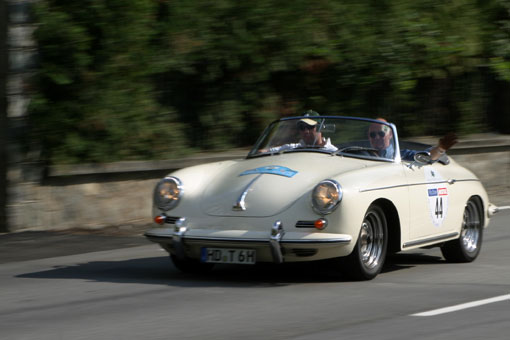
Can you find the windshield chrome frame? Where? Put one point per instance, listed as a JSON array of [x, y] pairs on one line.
[[396, 158]]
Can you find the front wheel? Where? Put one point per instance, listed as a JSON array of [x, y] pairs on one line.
[[367, 258], [467, 247]]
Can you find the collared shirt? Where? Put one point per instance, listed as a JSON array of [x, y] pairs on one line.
[[327, 146], [405, 154], [388, 152]]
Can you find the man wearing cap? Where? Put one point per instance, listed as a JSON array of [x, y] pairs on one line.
[[380, 137], [311, 136]]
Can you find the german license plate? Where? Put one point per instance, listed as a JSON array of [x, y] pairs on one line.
[[223, 255]]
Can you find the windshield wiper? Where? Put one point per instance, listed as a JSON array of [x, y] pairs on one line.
[[313, 148], [309, 147], [355, 149]]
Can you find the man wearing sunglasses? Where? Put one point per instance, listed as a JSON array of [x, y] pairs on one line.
[[310, 136], [381, 136]]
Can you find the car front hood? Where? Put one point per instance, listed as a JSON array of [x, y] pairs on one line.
[[266, 186]]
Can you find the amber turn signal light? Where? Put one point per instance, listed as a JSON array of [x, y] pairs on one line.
[[159, 219], [320, 224]]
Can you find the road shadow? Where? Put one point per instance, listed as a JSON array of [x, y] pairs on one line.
[[400, 261], [160, 271], [35, 245]]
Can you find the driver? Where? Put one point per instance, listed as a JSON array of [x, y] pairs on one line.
[[381, 136], [311, 136]]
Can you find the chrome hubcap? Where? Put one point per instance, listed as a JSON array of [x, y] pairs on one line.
[[371, 240], [470, 227]]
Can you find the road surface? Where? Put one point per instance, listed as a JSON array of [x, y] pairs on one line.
[[56, 286]]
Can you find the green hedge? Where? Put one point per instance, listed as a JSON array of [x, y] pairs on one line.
[[146, 79]]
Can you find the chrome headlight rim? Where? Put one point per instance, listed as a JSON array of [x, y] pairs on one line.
[[329, 208], [164, 203]]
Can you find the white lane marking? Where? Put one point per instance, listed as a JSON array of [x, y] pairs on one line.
[[463, 306]]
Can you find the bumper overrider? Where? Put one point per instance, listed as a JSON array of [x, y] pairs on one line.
[[274, 245]]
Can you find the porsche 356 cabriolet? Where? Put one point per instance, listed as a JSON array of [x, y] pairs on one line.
[[316, 188]]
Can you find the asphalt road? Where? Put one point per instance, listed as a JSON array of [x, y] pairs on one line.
[[111, 287]]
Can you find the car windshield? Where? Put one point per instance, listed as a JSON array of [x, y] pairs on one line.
[[344, 136]]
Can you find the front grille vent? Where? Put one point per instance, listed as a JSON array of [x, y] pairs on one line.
[[171, 219], [305, 224], [304, 252]]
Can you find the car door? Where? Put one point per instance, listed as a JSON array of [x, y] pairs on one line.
[[431, 193]]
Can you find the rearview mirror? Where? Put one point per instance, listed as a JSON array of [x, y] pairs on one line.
[[329, 128]]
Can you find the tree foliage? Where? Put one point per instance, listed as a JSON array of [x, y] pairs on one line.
[[134, 79], [95, 98]]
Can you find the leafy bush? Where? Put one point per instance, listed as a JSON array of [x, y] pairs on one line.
[[135, 79]]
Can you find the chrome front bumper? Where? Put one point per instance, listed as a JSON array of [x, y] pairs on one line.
[[275, 245]]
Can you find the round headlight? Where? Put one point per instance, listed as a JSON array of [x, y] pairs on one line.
[[167, 193], [326, 195]]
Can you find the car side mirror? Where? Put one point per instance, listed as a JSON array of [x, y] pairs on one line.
[[423, 158]]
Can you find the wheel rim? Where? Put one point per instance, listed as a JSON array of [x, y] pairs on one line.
[[470, 233], [371, 240]]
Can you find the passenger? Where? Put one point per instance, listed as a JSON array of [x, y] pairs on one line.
[[381, 136]]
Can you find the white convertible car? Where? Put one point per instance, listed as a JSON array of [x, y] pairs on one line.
[[321, 187]]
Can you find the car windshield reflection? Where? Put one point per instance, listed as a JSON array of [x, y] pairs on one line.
[[343, 136]]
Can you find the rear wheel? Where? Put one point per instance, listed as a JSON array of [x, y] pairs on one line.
[[189, 265], [467, 247], [367, 258]]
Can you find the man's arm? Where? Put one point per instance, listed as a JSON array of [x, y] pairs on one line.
[[445, 143], [281, 148]]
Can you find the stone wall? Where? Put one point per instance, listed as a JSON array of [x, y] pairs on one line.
[[93, 201], [90, 195], [95, 196]]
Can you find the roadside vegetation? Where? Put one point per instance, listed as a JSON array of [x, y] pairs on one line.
[[155, 79]]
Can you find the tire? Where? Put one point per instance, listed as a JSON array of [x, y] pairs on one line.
[[191, 266], [467, 247], [367, 258]]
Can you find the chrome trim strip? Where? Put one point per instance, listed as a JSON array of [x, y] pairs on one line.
[[225, 239], [305, 224], [171, 219], [345, 240], [430, 239], [416, 184], [240, 205], [466, 180]]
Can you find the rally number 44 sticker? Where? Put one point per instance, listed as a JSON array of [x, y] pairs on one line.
[[437, 196]]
